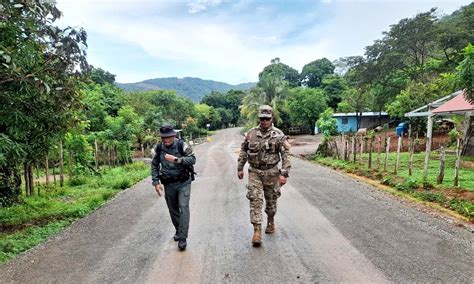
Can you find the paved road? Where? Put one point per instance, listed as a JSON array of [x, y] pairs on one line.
[[330, 229]]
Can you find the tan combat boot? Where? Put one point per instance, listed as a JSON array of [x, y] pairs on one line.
[[270, 226], [257, 235]]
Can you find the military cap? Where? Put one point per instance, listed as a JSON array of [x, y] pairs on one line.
[[265, 111], [166, 130]]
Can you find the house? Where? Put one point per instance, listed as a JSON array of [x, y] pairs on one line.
[[347, 122]]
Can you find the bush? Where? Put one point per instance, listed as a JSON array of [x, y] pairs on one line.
[[77, 181], [122, 183]]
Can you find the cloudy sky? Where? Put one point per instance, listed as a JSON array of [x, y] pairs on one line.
[[230, 41]]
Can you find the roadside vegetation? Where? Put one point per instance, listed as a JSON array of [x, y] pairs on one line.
[[35, 218], [459, 199]]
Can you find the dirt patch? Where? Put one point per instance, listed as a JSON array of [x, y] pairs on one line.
[[467, 164], [304, 146]]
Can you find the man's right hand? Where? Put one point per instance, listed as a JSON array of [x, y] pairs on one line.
[[240, 174], [159, 189]]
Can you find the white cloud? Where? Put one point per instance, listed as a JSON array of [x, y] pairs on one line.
[[196, 6], [234, 45]]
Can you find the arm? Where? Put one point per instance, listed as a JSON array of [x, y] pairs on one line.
[[285, 156], [155, 169], [242, 155], [188, 159]]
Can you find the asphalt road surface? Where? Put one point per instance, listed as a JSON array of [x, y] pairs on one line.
[[330, 228]]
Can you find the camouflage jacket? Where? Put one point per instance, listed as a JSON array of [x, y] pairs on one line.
[[263, 149], [161, 167]]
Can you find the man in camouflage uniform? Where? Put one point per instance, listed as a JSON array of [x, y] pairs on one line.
[[170, 168], [263, 148]]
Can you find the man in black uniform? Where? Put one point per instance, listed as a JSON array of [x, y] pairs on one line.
[[171, 170]]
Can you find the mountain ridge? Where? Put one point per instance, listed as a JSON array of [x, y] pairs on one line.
[[190, 87]]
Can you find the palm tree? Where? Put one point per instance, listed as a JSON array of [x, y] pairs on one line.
[[269, 91]]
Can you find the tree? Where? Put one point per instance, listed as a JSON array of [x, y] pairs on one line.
[[358, 100], [414, 96], [345, 107], [101, 77], [466, 72], [281, 71], [229, 101], [207, 115], [40, 69], [453, 33], [269, 91], [333, 86], [313, 72], [327, 124], [305, 105]]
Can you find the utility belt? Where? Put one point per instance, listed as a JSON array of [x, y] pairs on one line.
[[182, 177], [263, 167]]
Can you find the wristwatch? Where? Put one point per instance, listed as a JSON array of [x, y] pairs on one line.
[[176, 159]]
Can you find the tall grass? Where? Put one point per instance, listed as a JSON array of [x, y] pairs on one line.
[[38, 217]]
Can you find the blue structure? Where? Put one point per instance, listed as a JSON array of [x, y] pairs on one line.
[[347, 122], [401, 129]]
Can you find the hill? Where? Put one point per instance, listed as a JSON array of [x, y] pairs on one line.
[[193, 88]]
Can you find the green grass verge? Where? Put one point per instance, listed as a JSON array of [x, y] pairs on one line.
[[37, 217], [445, 194]]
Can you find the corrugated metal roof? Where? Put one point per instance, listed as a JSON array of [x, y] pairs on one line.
[[371, 113], [458, 104]]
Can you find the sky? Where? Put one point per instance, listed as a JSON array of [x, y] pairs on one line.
[[230, 41]]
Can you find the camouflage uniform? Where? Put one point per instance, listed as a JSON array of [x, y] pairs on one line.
[[263, 149]]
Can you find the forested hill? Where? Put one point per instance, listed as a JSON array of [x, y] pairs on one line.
[[193, 88]]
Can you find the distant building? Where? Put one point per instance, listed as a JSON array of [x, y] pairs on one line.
[[347, 122]]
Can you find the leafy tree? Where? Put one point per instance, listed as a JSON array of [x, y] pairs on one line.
[[40, 68], [101, 77], [173, 108], [454, 32], [225, 115], [358, 100], [466, 72], [414, 96], [333, 86], [230, 101], [207, 115], [327, 124], [305, 105], [345, 107], [313, 72], [282, 72]]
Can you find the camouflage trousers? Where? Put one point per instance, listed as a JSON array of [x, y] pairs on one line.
[[263, 184]]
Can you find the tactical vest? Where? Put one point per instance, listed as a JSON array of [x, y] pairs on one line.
[[264, 148]]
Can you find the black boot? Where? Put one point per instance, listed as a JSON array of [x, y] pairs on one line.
[[182, 244], [176, 237]]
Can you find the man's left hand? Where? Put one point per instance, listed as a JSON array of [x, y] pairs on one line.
[[170, 158], [282, 180]]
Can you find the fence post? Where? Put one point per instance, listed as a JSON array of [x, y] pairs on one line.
[[399, 146], [458, 161], [46, 170], [61, 163], [370, 152], [387, 150], [428, 146], [354, 149], [96, 155], [440, 178]]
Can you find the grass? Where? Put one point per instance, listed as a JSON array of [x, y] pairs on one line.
[[458, 199], [38, 217]]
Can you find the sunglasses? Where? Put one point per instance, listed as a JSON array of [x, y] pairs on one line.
[[165, 129], [265, 118]]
